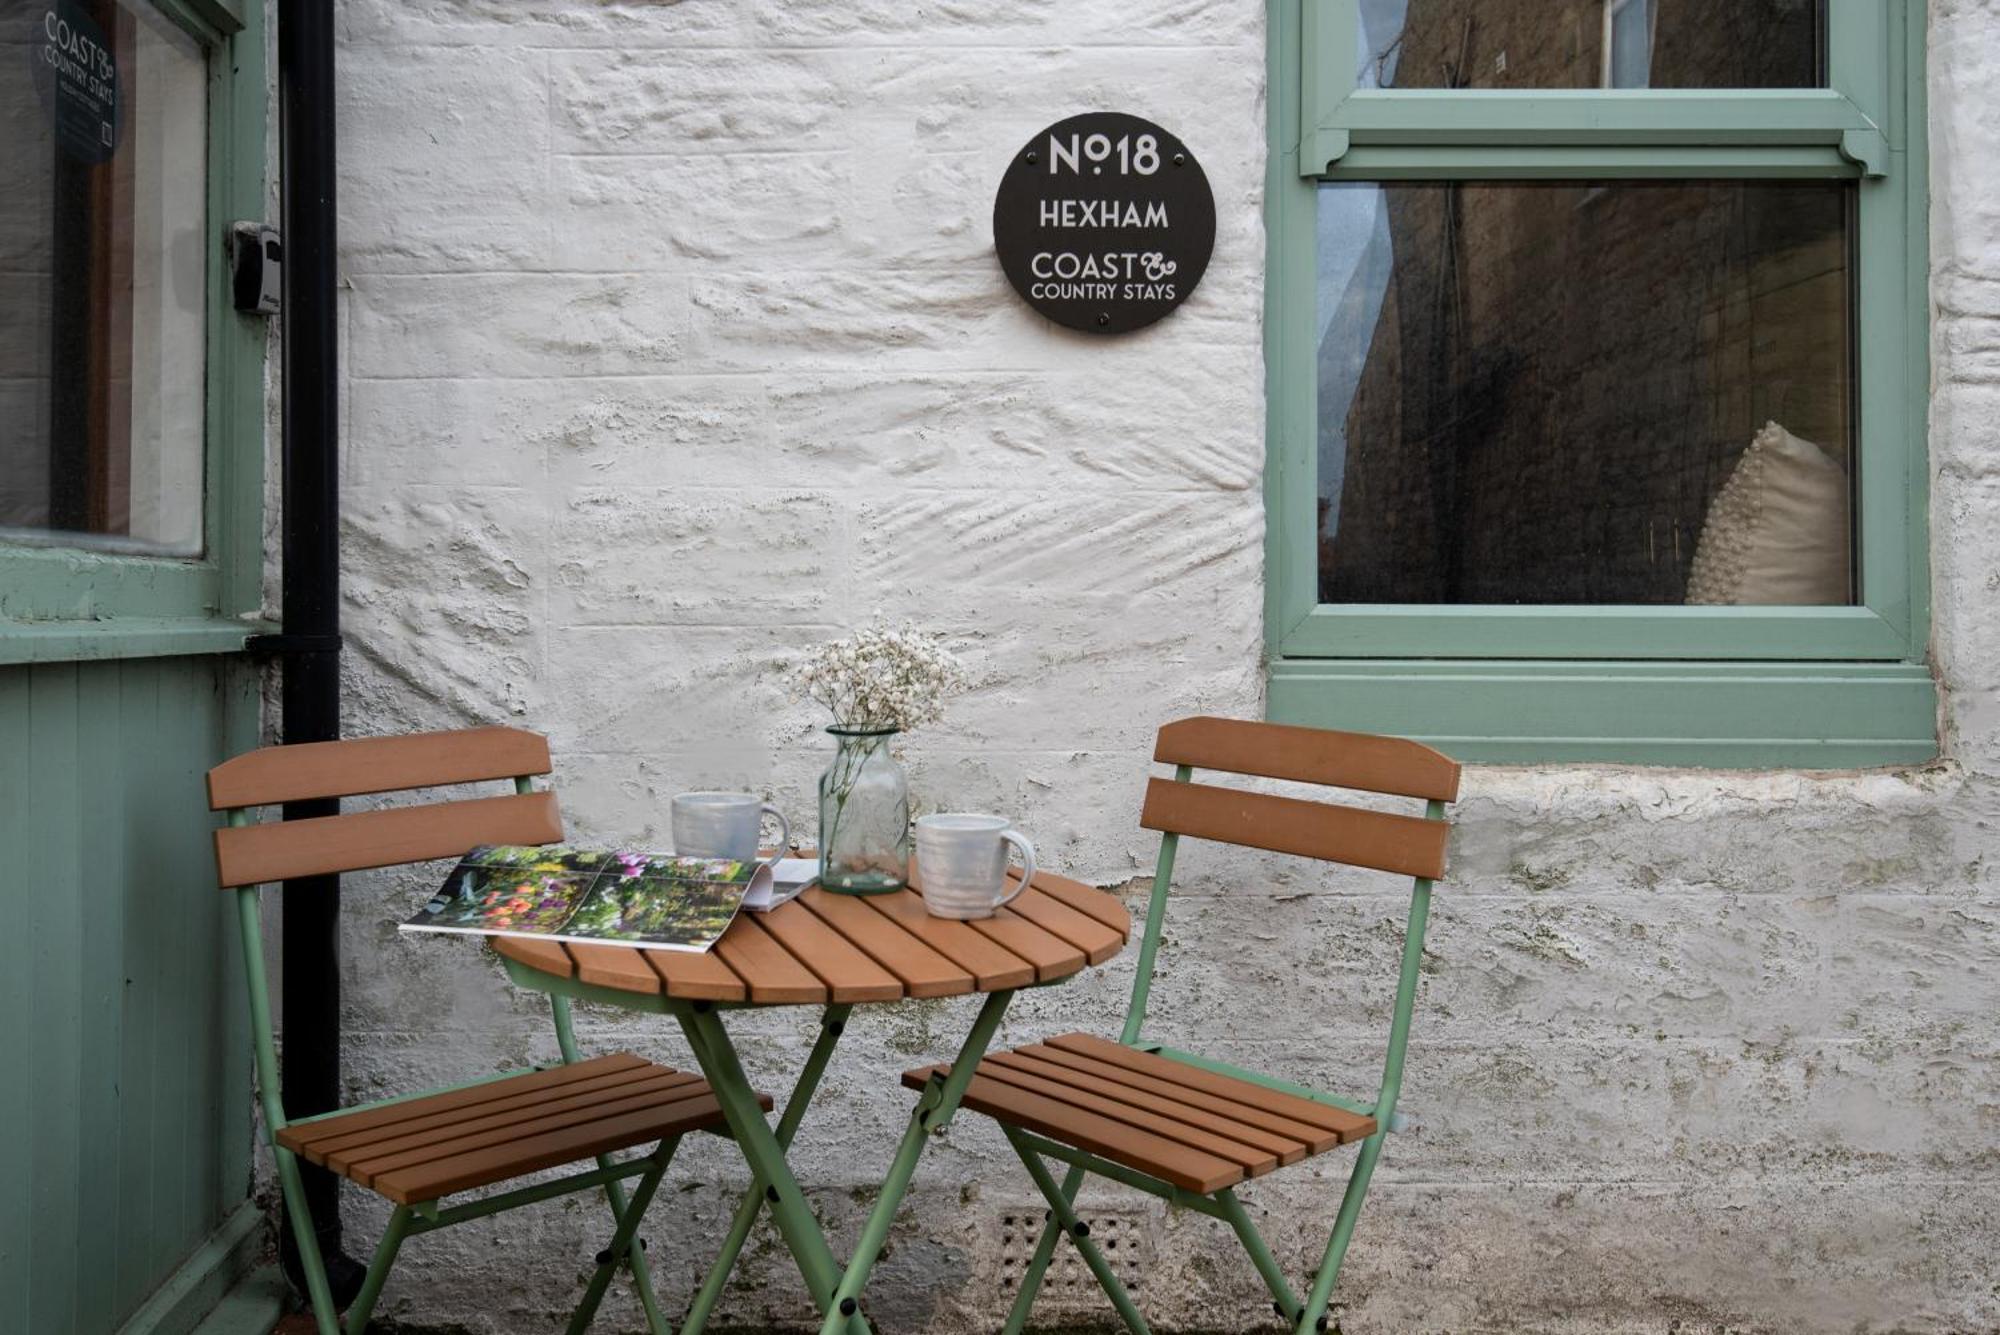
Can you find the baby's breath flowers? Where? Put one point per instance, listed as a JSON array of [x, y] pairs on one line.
[[876, 682], [882, 678]]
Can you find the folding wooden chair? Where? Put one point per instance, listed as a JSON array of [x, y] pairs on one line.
[[420, 1148], [1188, 1128]]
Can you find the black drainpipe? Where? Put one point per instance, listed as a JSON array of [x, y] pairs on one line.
[[311, 583]]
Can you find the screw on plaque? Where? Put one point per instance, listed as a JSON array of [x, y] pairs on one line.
[[1034, 156], [1103, 319], [1180, 159]]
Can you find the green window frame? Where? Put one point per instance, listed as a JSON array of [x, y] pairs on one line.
[[70, 604], [1818, 687]]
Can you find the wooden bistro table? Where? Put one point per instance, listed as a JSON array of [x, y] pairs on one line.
[[834, 951]]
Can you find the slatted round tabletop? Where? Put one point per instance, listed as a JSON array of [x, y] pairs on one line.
[[824, 948]]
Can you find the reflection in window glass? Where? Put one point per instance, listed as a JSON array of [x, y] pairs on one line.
[[1628, 43], [103, 271], [1585, 392], [1591, 44]]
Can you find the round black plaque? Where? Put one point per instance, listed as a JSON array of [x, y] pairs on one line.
[[1104, 222]]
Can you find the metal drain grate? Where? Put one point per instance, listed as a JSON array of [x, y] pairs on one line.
[[1120, 1235]]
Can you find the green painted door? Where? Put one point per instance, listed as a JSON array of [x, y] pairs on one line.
[[131, 449], [127, 1096]]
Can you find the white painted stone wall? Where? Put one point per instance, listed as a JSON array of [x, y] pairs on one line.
[[674, 343]]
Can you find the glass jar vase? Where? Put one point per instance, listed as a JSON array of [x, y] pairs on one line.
[[864, 815]]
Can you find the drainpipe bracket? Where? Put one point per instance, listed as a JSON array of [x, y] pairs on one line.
[[283, 645]]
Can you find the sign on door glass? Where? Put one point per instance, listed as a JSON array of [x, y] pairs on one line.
[[103, 276]]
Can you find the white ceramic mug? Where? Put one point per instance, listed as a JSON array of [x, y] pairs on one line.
[[724, 825], [962, 862]]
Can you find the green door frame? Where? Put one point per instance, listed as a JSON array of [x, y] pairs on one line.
[[66, 604]]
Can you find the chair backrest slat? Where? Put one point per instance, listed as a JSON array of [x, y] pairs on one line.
[[362, 840], [1360, 761], [375, 765], [1385, 841]]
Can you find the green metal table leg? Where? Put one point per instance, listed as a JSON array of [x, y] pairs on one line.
[[622, 1240], [933, 1113], [1038, 1265], [1343, 1232], [831, 1024], [1066, 1217], [363, 1305], [760, 1147], [1260, 1254], [614, 1192]]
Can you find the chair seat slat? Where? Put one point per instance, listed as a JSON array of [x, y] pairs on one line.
[[303, 1136], [1176, 1122], [458, 1140], [1348, 1126], [368, 1162], [1164, 1157], [1239, 1124], [428, 1126], [429, 1181], [1258, 1152], [1316, 1139]]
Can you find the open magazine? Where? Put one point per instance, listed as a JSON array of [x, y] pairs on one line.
[[558, 892]]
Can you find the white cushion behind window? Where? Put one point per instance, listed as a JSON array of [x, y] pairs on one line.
[[1776, 534]]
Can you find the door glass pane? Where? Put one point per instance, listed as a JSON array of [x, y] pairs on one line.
[[103, 276], [1585, 393], [1591, 44]]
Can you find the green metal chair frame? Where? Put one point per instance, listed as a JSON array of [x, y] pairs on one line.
[[362, 841], [1344, 835]]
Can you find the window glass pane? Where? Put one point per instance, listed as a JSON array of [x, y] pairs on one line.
[[1591, 43], [103, 275], [1543, 393]]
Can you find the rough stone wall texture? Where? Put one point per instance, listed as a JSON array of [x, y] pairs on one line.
[[674, 344]]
